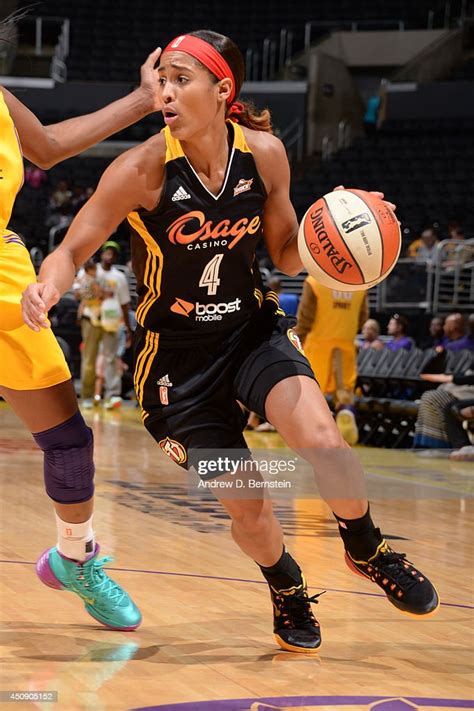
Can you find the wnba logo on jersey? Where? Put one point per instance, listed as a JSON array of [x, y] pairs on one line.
[[295, 340], [174, 450], [207, 230], [242, 186]]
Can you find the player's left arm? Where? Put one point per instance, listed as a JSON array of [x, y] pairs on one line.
[[280, 225], [47, 145]]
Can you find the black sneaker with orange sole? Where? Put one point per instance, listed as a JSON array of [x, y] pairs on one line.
[[294, 625], [406, 588]]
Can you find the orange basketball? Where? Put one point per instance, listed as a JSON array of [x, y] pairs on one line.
[[349, 240]]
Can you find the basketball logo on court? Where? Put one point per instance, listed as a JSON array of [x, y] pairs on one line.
[[337, 703], [174, 450], [295, 340]]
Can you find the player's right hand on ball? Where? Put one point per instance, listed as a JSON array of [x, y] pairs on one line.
[[36, 301]]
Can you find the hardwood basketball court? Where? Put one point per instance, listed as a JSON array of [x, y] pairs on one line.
[[206, 635]]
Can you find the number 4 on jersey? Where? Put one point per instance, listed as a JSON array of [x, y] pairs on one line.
[[210, 275]]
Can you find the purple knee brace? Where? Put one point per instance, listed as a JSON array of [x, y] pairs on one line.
[[68, 460]]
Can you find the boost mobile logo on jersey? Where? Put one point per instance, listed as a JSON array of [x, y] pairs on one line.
[[183, 229], [205, 312], [174, 450], [182, 307], [354, 223]]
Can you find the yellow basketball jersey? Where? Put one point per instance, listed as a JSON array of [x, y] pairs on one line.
[[11, 167], [337, 313]]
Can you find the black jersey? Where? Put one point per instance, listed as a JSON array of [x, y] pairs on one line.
[[194, 254]]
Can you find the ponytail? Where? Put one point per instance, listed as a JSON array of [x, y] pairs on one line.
[[245, 114]]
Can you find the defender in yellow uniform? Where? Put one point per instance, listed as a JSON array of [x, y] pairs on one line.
[[328, 321], [29, 360], [34, 377]]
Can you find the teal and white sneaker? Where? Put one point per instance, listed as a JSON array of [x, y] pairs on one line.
[[103, 598]]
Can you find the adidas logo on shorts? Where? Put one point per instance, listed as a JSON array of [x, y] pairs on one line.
[[181, 194], [165, 381]]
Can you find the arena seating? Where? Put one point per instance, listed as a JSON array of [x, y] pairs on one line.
[[465, 71], [31, 207], [389, 387], [438, 188], [101, 29]]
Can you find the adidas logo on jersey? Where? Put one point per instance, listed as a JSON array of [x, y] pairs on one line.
[[181, 194], [165, 381]]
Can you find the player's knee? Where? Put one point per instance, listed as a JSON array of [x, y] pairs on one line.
[[252, 516], [320, 436], [329, 438], [68, 460]]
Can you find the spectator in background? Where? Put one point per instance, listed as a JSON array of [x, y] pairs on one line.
[[61, 195], [327, 323], [397, 327], [288, 302], [115, 286], [60, 208], [435, 338], [35, 177], [371, 115], [115, 306], [371, 333], [89, 292], [438, 424], [456, 254], [455, 230], [78, 199], [438, 337], [455, 332], [423, 248]]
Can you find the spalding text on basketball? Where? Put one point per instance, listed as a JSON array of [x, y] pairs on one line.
[[338, 261]]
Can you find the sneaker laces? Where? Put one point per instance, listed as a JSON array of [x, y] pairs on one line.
[[299, 608], [398, 568], [91, 575]]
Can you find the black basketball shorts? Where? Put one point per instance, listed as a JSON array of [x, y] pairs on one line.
[[189, 394]]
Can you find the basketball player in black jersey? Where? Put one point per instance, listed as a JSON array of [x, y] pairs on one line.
[[198, 196]]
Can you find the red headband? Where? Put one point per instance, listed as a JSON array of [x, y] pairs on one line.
[[207, 55]]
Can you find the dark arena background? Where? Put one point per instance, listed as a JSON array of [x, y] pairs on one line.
[[369, 95]]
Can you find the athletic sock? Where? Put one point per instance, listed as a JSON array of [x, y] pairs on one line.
[[285, 574], [359, 535], [75, 540]]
